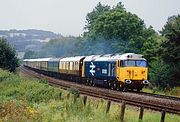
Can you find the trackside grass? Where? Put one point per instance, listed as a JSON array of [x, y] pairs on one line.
[[172, 92], [32, 100]]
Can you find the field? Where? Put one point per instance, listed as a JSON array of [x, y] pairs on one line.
[[23, 99]]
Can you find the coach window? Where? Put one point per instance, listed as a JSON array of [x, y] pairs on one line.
[[72, 65], [69, 65], [77, 65], [65, 64]]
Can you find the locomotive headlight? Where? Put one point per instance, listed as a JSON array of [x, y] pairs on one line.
[[145, 82], [128, 81]]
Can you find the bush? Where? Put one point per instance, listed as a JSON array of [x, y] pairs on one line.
[[8, 57]]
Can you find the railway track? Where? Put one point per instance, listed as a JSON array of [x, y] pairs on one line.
[[158, 96], [146, 100]]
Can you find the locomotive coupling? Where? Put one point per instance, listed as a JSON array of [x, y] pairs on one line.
[[145, 82], [128, 81]]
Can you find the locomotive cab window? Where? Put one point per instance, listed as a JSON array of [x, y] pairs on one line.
[[134, 63], [141, 63]]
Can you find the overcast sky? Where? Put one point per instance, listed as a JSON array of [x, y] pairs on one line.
[[68, 16]]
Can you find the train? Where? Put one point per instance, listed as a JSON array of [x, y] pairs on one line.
[[128, 71]]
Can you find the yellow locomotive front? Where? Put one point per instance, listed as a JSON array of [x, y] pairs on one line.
[[132, 71]]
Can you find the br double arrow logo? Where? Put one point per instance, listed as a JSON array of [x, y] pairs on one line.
[[92, 71]]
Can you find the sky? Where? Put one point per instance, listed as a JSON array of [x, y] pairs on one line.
[[68, 17]]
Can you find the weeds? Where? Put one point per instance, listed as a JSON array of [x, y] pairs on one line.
[[17, 111]]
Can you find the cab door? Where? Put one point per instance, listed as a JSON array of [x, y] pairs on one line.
[[118, 70]]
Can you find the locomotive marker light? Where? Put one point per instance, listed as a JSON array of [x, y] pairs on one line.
[[92, 71]]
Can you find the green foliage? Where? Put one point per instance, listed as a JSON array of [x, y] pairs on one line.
[[114, 30], [33, 91], [171, 45], [60, 47], [92, 16], [170, 50], [8, 58], [30, 54], [17, 111], [74, 91]]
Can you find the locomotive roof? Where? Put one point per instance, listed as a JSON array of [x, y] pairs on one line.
[[75, 58], [132, 56], [91, 57], [111, 57]]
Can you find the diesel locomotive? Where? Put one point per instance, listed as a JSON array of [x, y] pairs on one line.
[[128, 71]]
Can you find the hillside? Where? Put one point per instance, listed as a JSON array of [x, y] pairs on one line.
[[30, 39]]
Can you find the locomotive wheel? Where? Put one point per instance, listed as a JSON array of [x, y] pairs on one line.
[[87, 82], [115, 85], [123, 88], [112, 85], [91, 82], [109, 84], [118, 86]]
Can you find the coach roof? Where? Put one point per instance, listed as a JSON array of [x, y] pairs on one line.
[[76, 58], [38, 59], [54, 59]]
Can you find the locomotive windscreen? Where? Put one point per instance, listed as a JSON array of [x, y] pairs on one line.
[[133, 63]]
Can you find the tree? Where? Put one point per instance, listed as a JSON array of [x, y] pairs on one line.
[[92, 16], [170, 49], [8, 57], [30, 54], [120, 30]]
